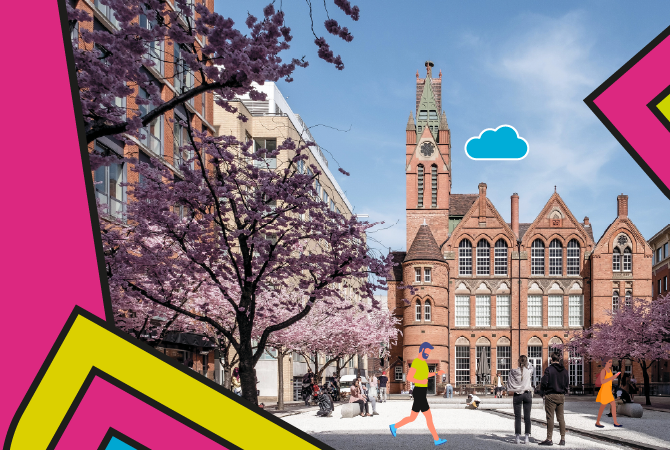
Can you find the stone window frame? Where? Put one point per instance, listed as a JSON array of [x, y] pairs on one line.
[[498, 258], [483, 262], [556, 258], [573, 253], [464, 259], [537, 255]]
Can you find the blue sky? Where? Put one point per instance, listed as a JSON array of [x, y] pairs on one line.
[[528, 64]]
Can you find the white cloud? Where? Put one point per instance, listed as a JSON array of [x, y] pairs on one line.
[[547, 70]]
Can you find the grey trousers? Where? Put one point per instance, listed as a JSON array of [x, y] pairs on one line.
[[554, 402]]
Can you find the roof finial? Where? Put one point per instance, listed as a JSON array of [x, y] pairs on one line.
[[417, 74], [424, 221], [554, 189]]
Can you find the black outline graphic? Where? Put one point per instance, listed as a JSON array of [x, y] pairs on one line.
[[86, 166], [96, 372], [79, 311], [113, 433], [590, 102], [653, 107]]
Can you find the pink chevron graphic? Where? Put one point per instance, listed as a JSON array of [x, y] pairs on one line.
[[105, 405], [622, 104]]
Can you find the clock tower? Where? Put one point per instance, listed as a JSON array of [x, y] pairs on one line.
[[428, 161]]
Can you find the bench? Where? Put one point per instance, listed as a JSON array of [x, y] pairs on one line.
[[350, 410], [630, 409]]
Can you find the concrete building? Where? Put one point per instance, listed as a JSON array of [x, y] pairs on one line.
[[488, 290], [270, 122]]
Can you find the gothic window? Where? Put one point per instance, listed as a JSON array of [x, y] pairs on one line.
[[627, 260], [433, 171], [573, 257], [537, 257], [483, 257], [555, 258], [500, 257], [418, 311], [433, 115], [426, 311], [616, 260], [423, 115], [465, 258], [420, 172], [629, 298], [615, 300]]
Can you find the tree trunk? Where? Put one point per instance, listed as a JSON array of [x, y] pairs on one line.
[[645, 376], [247, 372], [280, 372]]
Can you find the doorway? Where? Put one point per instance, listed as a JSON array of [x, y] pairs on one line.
[[431, 381], [535, 358]]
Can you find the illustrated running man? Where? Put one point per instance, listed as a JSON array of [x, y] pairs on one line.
[[418, 374]]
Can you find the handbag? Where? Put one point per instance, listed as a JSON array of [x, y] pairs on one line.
[[599, 380]]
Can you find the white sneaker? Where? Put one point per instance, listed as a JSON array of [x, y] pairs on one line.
[[527, 439], [518, 439]]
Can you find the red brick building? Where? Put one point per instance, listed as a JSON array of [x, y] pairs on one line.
[[163, 138], [490, 290], [660, 285]]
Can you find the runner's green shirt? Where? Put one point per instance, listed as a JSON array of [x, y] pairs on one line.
[[421, 371]]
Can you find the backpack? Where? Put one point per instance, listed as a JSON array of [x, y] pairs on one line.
[[599, 381]]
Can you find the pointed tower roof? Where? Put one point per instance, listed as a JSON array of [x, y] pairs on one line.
[[427, 100], [443, 122], [424, 247], [410, 123]]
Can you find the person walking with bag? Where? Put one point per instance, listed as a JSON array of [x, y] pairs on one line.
[[553, 386], [605, 396], [518, 383]]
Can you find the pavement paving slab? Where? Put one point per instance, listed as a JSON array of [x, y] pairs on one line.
[[463, 429]]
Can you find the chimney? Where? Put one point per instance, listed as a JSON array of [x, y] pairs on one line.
[[429, 70], [482, 202], [515, 214], [622, 205], [586, 221]]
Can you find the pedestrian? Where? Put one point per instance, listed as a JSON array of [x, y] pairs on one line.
[[419, 374], [371, 392], [605, 396], [307, 386], [497, 382], [518, 383], [382, 386], [553, 386], [237, 387], [449, 391], [356, 396], [633, 388], [473, 401]]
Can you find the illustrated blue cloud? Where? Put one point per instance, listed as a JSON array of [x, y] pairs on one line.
[[502, 143]]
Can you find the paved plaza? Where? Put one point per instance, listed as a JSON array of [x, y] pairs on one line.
[[468, 429]]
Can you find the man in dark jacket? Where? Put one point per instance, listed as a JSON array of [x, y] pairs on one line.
[[553, 387]]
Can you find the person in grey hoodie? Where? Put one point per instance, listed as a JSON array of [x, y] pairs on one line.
[[553, 387], [518, 383]]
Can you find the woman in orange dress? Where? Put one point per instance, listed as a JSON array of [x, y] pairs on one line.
[[605, 396]]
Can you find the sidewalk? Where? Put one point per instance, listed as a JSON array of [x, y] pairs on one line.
[[649, 432]]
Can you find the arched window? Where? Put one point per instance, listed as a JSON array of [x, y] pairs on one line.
[[418, 311], [433, 178], [573, 257], [627, 260], [555, 258], [615, 300], [537, 257], [616, 260], [426, 311], [629, 298], [500, 255], [420, 179], [483, 257], [465, 258]]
